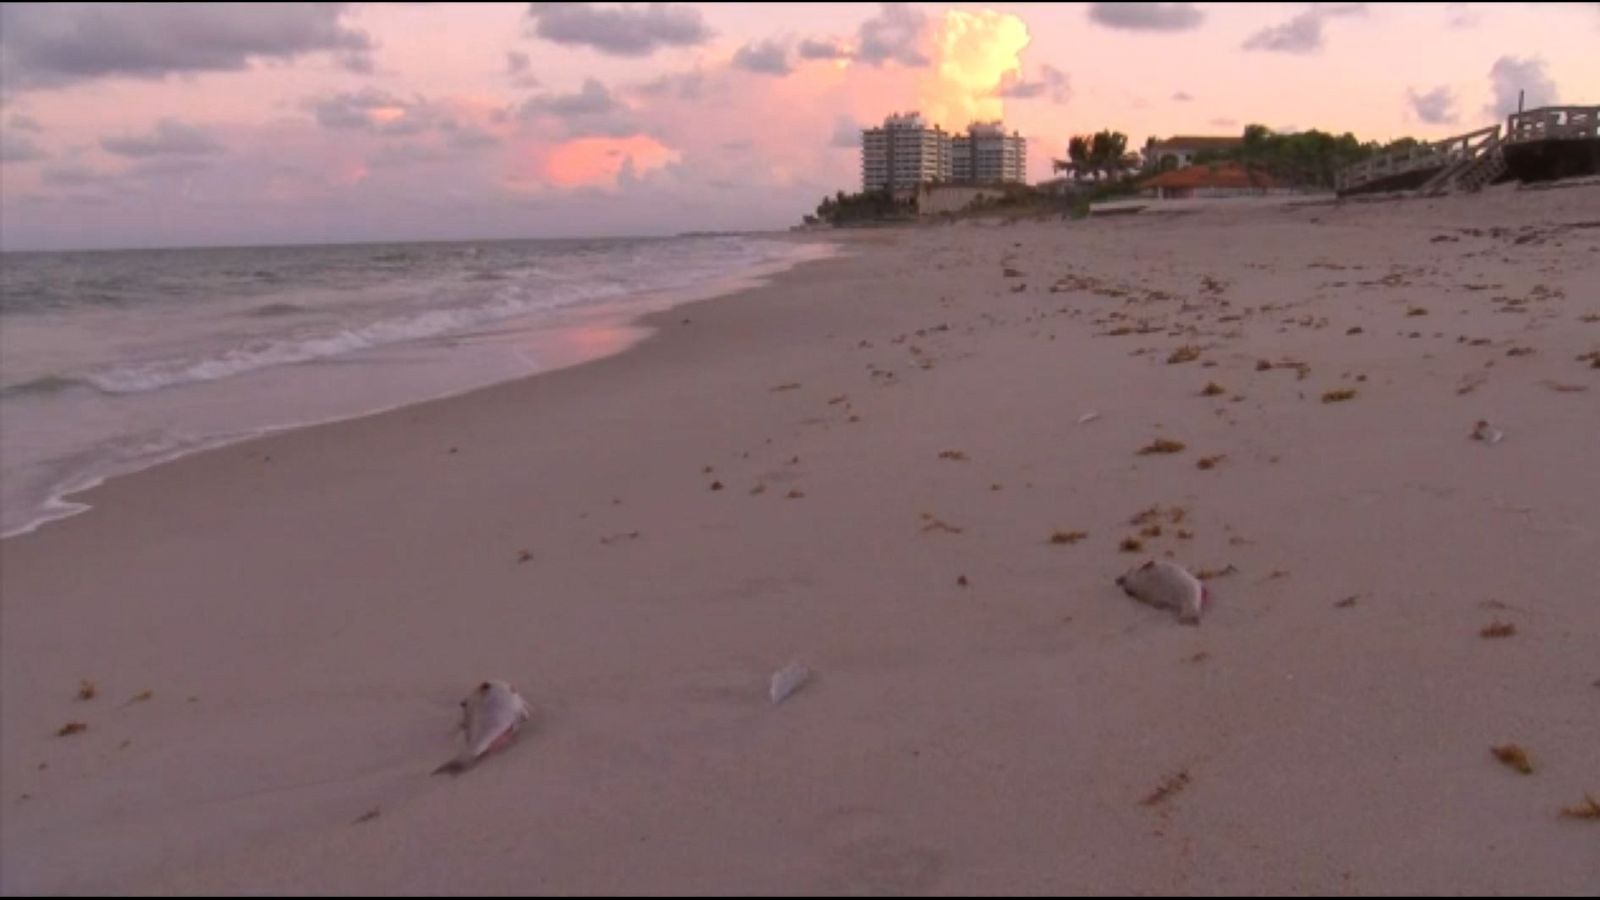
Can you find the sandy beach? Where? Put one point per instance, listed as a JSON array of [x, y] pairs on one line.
[[861, 466]]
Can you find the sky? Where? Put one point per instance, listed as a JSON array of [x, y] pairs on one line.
[[146, 125]]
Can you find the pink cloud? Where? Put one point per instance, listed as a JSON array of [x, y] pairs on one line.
[[594, 161]]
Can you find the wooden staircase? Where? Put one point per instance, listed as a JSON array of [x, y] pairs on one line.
[[1441, 163], [1478, 165], [1468, 162]]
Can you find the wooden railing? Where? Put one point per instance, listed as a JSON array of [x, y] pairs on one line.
[[1549, 123], [1543, 124], [1435, 155]]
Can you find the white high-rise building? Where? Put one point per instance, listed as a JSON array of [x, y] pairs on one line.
[[987, 155], [903, 153]]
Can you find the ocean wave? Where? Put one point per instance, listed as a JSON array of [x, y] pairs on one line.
[[157, 374], [35, 495], [68, 450], [277, 309], [527, 294], [44, 385]]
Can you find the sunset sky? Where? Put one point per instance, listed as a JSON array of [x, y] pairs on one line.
[[177, 125]]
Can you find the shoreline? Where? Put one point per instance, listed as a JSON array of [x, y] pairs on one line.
[[863, 465], [63, 502]]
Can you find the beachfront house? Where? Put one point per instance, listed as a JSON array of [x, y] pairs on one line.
[[1212, 180], [1180, 152]]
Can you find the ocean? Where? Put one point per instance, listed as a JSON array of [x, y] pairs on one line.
[[113, 361]]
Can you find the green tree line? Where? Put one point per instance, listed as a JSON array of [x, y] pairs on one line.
[[867, 206], [1304, 159]]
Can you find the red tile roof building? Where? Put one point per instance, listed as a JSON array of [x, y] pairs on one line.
[[1211, 180]]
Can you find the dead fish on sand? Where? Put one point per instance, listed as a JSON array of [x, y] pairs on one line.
[[490, 717], [1167, 585], [1487, 433]]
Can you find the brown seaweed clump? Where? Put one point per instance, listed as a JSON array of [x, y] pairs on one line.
[[1498, 629], [1515, 757], [1588, 809], [1167, 788], [1162, 445]]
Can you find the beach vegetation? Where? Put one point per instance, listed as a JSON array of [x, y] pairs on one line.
[[1307, 159], [855, 209], [1100, 156]]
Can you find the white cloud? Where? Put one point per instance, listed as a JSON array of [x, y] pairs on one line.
[[1509, 75], [1436, 107]]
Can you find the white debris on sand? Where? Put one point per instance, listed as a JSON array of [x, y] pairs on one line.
[[787, 680]]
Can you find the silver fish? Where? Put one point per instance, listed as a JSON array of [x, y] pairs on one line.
[[490, 717]]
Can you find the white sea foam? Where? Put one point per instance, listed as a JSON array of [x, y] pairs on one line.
[[112, 363], [161, 373]]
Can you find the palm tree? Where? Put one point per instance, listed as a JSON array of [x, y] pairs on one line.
[[1078, 152], [1105, 151]]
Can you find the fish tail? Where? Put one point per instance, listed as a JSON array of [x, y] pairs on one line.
[[453, 767]]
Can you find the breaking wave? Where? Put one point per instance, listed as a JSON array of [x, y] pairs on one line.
[[260, 354]]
